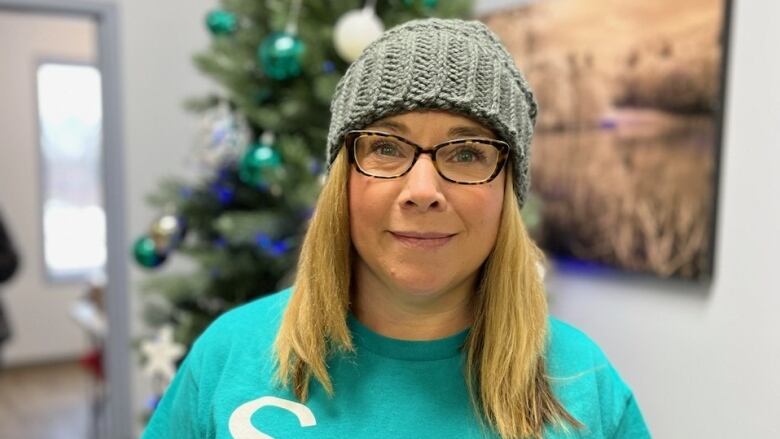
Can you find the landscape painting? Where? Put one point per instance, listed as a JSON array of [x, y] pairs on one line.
[[627, 144]]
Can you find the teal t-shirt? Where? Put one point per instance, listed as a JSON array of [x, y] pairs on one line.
[[388, 389]]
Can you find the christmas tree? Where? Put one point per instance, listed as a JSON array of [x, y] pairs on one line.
[[278, 63]]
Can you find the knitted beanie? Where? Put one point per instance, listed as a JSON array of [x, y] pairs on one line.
[[446, 64]]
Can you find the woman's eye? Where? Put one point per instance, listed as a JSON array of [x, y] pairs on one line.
[[387, 149], [467, 154]]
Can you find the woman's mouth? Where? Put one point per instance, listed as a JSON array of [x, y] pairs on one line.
[[426, 240]]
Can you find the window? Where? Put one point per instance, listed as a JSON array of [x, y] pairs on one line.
[[70, 123]]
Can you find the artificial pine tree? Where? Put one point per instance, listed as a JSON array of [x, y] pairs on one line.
[[278, 62]]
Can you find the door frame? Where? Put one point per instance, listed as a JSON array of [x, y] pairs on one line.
[[117, 356]]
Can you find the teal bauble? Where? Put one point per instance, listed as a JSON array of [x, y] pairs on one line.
[[146, 254], [221, 22], [280, 55], [427, 3], [258, 158]]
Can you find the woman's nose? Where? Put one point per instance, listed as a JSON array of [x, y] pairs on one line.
[[423, 187]]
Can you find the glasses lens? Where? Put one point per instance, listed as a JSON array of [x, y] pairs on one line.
[[382, 156], [468, 162]]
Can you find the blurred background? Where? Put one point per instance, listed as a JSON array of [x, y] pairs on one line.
[[159, 161]]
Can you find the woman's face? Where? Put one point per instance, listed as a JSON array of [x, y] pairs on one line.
[[420, 234]]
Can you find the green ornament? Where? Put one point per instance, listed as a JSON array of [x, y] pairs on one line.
[[221, 22], [280, 55], [145, 252], [255, 160], [430, 4]]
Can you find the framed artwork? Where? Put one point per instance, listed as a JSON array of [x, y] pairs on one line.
[[625, 160]]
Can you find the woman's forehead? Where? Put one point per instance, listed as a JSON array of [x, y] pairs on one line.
[[453, 124]]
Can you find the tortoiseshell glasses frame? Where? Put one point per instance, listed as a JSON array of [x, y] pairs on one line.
[[352, 138]]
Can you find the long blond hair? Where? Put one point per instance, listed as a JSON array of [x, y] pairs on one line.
[[505, 367]]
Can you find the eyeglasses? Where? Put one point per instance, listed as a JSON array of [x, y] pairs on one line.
[[463, 161]]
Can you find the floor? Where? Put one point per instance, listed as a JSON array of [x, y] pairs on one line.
[[46, 402]]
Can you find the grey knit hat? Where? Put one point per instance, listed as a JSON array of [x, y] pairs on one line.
[[446, 64]]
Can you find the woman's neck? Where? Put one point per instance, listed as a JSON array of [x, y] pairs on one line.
[[394, 313]]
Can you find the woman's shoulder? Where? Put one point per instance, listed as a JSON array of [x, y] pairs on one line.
[[589, 386], [569, 347], [235, 346], [257, 320], [266, 310]]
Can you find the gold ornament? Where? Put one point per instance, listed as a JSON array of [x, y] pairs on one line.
[[165, 232]]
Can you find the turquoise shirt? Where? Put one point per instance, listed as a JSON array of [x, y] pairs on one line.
[[389, 389]]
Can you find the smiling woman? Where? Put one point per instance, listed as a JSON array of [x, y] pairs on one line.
[[420, 240], [417, 309]]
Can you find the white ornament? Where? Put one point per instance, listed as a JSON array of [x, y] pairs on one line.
[[161, 354], [354, 31]]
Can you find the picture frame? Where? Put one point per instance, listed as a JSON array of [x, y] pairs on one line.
[[625, 162]]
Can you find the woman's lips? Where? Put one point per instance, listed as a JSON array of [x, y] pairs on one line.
[[423, 240]]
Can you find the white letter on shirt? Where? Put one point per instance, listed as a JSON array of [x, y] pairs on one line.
[[240, 423]]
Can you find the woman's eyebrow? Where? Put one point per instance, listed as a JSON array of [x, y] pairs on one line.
[[397, 126], [468, 131]]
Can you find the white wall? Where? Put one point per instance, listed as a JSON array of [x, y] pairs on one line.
[[699, 361]]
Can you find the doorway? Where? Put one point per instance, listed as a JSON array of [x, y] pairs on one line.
[[47, 202]]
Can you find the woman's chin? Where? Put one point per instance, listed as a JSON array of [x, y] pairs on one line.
[[422, 287]]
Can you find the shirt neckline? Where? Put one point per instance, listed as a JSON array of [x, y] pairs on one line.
[[412, 350]]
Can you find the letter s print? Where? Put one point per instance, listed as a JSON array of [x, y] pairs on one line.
[[240, 423]]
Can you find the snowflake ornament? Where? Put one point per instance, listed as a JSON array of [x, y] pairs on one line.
[[162, 354]]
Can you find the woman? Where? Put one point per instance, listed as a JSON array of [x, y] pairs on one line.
[[417, 309]]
